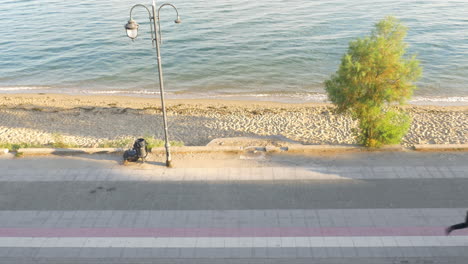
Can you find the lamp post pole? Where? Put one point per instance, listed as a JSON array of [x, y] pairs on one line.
[[132, 31], [161, 86]]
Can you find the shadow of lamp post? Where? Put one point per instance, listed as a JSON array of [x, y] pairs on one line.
[[132, 32]]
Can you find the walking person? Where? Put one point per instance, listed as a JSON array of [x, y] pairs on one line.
[[449, 229]]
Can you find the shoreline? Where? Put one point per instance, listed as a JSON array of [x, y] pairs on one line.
[[280, 97], [86, 120], [135, 101]]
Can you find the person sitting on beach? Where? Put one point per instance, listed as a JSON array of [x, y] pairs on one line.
[[449, 229]]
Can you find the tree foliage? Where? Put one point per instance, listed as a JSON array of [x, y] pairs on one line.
[[374, 75]]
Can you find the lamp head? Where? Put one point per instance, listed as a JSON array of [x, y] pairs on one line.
[[178, 21], [132, 29]]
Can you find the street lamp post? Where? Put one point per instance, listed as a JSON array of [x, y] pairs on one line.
[[132, 32]]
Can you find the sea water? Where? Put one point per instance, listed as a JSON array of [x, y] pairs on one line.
[[267, 50]]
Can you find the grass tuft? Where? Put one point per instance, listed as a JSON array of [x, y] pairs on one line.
[[59, 143], [16, 146], [128, 143], [155, 143], [117, 143]]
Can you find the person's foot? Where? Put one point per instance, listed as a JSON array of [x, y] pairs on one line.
[[448, 230]]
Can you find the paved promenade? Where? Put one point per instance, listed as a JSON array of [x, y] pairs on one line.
[[343, 208]]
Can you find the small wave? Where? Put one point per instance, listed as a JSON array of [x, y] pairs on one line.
[[314, 97], [323, 98], [22, 88], [453, 99], [274, 96], [286, 97], [120, 92]]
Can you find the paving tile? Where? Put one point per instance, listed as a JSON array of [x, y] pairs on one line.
[[22, 252], [172, 252], [4, 251], [217, 253], [159, 253], [288, 252], [288, 242], [259, 252], [408, 252], [334, 252], [144, 252], [364, 252], [394, 252], [129, 253], [274, 252], [95, 253], [454, 251], [49, 253], [462, 252], [65, 252], [304, 252], [241, 252], [348, 252], [319, 252], [187, 252], [378, 252]]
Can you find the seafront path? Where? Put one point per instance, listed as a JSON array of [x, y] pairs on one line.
[[365, 207]]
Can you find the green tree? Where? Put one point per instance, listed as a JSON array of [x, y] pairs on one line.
[[373, 76]]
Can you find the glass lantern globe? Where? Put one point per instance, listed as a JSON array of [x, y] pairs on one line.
[[132, 29]]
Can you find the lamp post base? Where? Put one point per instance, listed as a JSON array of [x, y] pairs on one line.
[[168, 163]]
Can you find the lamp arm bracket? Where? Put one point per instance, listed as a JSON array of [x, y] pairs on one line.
[[149, 12], [167, 4], [158, 18], [151, 17]]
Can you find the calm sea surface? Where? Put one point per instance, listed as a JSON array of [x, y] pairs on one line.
[[279, 50]]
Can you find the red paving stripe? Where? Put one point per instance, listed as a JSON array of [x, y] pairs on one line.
[[226, 232]]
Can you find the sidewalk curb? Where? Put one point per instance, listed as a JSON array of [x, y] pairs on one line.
[[198, 149], [238, 149], [312, 148], [441, 147], [63, 151], [341, 148]]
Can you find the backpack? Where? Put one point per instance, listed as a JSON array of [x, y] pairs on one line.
[[139, 151]]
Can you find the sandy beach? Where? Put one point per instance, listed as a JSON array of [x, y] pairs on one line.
[[90, 120]]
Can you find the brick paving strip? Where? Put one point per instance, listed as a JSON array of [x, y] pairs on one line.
[[238, 174], [227, 232], [360, 228], [233, 242]]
